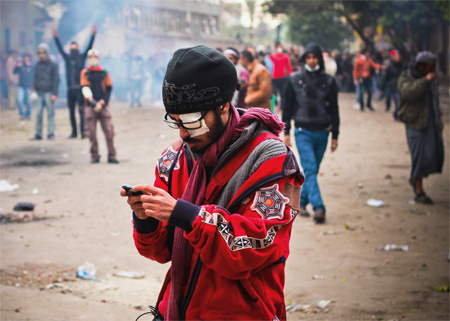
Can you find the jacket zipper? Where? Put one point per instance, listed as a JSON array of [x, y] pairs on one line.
[[191, 287]]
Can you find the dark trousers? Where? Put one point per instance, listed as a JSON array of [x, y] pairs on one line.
[[74, 97], [278, 89], [365, 84]]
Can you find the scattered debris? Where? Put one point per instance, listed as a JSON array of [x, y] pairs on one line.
[[328, 233], [375, 203], [318, 277], [130, 275], [323, 303], [411, 202], [35, 191], [87, 271], [388, 176], [393, 247], [348, 227], [6, 186], [306, 308], [360, 185], [24, 206], [442, 288], [19, 217]]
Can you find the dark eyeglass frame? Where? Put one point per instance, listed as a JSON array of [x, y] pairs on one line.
[[177, 125]]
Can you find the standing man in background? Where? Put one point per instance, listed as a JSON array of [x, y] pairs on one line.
[[45, 90], [280, 72], [12, 78], [74, 64], [259, 91], [24, 69], [96, 88], [242, 75], [363, 78], [420, 111]]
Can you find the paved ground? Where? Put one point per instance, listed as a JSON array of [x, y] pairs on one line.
[[84, 219]]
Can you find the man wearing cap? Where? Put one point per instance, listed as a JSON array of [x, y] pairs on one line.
[[420, 111], [223, 202], [96, 87]]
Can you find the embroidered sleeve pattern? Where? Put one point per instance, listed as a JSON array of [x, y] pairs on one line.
[[250, 239], [165, 163]]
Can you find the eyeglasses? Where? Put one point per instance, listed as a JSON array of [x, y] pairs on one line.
[[196, 124]]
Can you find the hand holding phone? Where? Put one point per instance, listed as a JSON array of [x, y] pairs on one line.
[[129, 190]]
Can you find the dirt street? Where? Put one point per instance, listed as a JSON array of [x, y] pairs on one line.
[[79, 217]]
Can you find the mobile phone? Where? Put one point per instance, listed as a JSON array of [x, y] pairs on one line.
[[129, 190]]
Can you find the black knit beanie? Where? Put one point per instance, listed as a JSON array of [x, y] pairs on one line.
[[198, 78]]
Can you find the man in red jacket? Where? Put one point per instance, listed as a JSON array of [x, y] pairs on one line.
[[223, 202], [362, 77], [280, 72]]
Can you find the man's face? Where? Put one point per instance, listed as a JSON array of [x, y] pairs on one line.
[[425, 68], [73, 46], [212, 128], [232, 59], [244, 62], [42, 54], [311, 60], [396, 58], [26, 60]]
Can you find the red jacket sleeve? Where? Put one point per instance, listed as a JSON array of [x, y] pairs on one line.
[[152, 238], [236, 245]]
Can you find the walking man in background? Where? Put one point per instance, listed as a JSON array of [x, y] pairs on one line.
[[363, 78], [420, 111], [259, 90], [312, 102], [96, 86], [74, 62], [45, 90], [280, 72]]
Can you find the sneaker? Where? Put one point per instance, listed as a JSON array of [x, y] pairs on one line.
[[423, 198], [113, 161], [51, 137], [370, 108], [319, 215], [304, 212], [95, 160], [36, 137], [72, 136]]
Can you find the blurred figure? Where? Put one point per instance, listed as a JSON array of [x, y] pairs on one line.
[[362, 77], [137, 78], [74, 62], [3, 80], [420, 111], [259, 90], [312, 102], [347, 71], [264, 58], [330, 64], [339, 73], [294, 57], [243, 77], [280, 73], [45, 90], [96, 86], [389, 84], [25, 70], [12, 79]]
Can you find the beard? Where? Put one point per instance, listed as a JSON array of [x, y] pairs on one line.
[[216, 130]]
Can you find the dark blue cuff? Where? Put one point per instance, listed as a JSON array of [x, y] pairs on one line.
[[146, 226], [183, 215]]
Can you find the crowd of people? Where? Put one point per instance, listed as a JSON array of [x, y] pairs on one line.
[[283, 81]]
